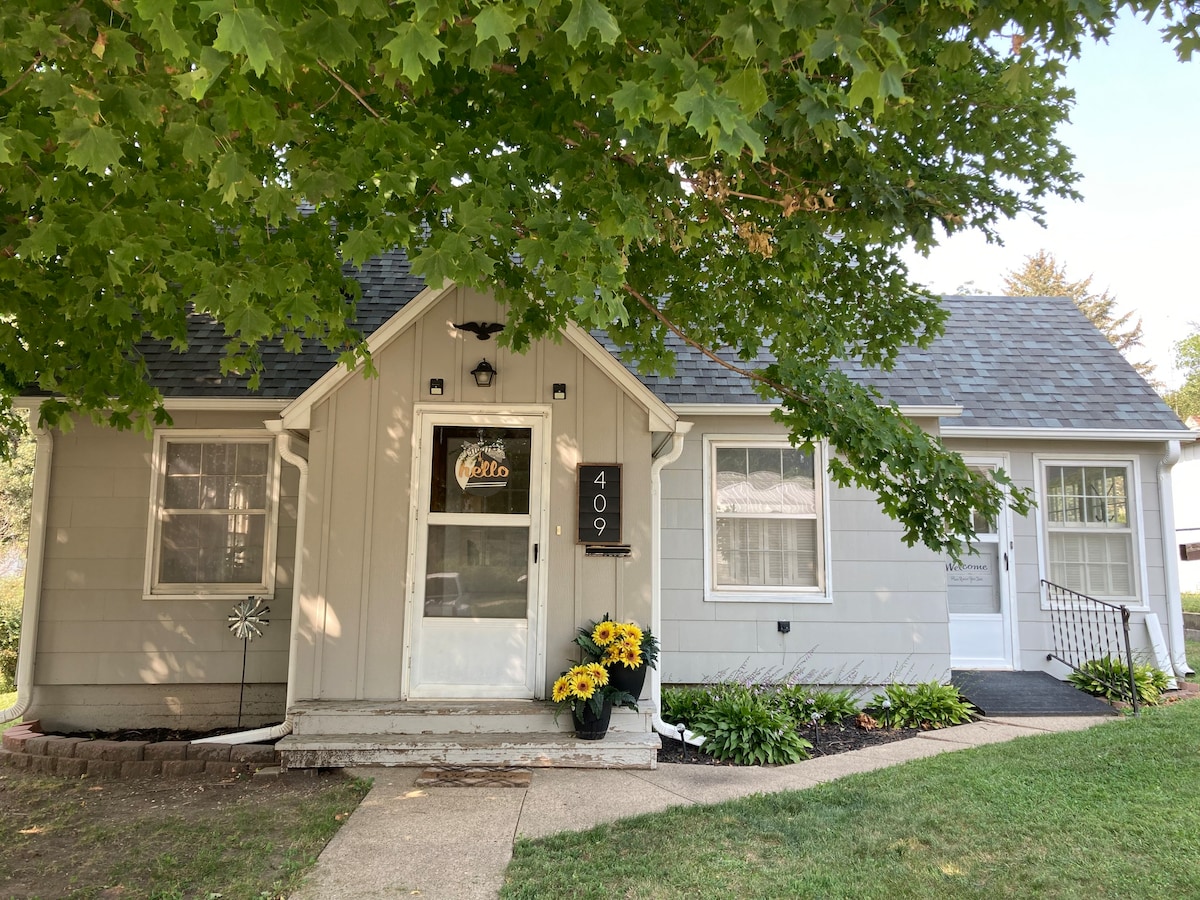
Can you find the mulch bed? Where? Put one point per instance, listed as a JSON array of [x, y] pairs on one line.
[[826, 740], [154, 735]]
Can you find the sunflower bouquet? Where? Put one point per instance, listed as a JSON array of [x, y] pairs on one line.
[[586, 685], [612, 643]]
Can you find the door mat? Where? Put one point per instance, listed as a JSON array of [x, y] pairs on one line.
[[474, 776], [1027, 693]]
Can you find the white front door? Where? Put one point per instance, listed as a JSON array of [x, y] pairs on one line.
[[978, 593], [474, 599]]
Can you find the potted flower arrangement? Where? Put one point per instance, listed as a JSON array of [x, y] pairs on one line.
[[585, 689], [623, 649]]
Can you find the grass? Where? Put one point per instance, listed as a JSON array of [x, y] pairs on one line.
[[1191, 602], [7, 700], [159, 839], [1109, 812]]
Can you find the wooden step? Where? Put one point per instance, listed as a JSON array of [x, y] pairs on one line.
[[416, 717], [617, 750]]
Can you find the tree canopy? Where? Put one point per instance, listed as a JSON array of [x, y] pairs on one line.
[[1043, 276], [1185, 399], [738, 173]]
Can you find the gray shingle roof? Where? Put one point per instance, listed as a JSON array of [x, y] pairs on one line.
[[1031, 362]]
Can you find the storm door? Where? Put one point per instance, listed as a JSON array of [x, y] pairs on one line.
[[978, 594], [474, 611]]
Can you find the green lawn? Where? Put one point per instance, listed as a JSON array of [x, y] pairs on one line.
[[1110, 812], [1191, 602], [7, 700]]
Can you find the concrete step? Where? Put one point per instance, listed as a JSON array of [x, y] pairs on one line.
[[617, 750], [414, 717]]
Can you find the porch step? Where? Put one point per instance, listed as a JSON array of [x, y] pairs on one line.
[[445, 717], [618, 750]]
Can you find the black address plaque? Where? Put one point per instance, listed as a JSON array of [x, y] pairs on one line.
[[600, 504]]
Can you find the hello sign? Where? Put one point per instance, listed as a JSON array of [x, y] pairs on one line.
[[481, 469]]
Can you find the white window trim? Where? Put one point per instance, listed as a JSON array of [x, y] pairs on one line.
[[1136, 602], [150, 591], [823, 593]]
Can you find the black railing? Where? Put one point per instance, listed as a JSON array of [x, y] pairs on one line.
[[1084, 629]]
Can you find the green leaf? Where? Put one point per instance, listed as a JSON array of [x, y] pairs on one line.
[[632, 100], [493, 22], [586, 15], [6, 157], [93, 148], [748, 89], [412, 44], [247, 32]]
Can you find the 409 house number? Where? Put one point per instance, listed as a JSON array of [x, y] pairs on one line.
[[600, 504]]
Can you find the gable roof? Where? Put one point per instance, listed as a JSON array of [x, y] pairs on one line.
[[1009, 362]]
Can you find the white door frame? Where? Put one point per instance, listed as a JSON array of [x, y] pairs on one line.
[[535, 417], [964, 623]]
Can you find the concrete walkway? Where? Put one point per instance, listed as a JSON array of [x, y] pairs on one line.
[[453, 843]]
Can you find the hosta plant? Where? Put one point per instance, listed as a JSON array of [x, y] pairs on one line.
[[927, 705], [1108, 677], [810, 705], [741, 727]]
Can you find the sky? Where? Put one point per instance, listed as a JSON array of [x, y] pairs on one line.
[[1135, 132]]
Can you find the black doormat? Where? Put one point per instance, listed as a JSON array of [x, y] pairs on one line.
[[1025, 694]]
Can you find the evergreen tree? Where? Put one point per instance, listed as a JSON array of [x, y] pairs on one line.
[[1042, 276]]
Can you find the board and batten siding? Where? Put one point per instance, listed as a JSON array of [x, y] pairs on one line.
[[104, 654], [1028, 542], [359, 515], [883, 617]]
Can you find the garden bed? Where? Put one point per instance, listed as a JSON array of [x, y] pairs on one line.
[[826, 740]]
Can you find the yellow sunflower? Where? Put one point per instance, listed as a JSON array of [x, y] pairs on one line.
[[583, 685], [613, 653], [630, 656], [604, 633], [562, 690], [598, 672], [633, 634]]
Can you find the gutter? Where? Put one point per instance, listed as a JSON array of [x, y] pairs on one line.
[[678, 732], [1175, 632], [273, 732], [35, 555]]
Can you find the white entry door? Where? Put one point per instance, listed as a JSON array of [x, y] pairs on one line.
[[979, 596], [474, 609]]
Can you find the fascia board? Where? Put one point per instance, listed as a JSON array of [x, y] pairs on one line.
[[296, 414], [662, 416], [1069, 434]]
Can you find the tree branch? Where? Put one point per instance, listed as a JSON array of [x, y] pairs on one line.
[[355, 94]]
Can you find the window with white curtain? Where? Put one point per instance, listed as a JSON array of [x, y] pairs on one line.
[[1088, 511], [211, 528], [766, 507]]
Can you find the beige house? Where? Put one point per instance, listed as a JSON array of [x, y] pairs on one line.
[[429, 540]]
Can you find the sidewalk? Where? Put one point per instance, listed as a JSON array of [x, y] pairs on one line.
[[453, 843]]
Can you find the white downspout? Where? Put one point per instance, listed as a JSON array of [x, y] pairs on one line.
[[273, 732], [1175, 634], [678, 732], [35, 554]]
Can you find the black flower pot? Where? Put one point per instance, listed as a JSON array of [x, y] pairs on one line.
[[592, 726], [631, 681]]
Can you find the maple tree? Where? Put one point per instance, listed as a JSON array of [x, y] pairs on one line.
[[1043, 276], [739, 173], [1185, 399]]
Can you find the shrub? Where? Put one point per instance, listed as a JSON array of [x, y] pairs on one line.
[[807, 704], [928, 705], [1108, 677], [10, 638], [683, 705], [741, 726]]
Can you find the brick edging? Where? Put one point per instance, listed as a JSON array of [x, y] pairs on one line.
[[25, 747]]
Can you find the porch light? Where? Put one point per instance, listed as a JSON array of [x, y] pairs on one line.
[[484, 374], [559, 392], [437, 387]]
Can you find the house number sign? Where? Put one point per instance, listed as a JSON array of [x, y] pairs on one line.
[[600, 504]]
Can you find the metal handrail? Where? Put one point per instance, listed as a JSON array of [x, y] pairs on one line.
[[1084, 628]]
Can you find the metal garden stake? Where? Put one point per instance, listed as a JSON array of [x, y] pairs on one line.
[[247, 622]]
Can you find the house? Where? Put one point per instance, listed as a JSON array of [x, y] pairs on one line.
[[429, 540]]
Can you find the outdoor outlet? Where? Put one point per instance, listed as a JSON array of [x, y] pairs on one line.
[[784, 627]]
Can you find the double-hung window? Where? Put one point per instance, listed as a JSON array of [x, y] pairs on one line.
[[766, 509], [212, 522], [1088, 513]]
